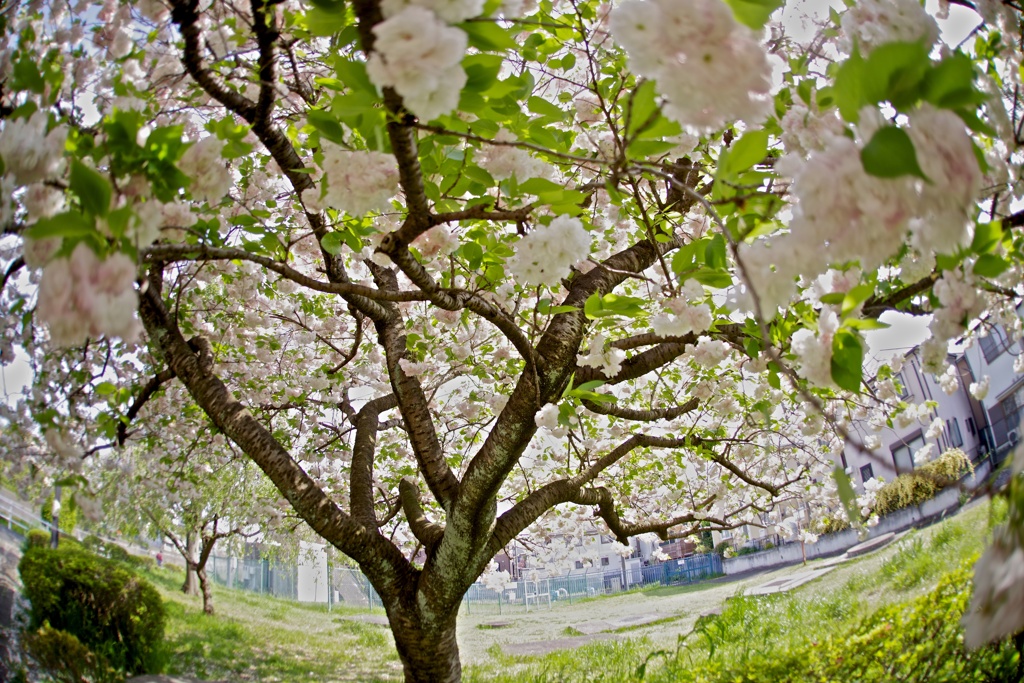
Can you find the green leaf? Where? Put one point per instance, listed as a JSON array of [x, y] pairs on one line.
[[851, 87], [846, 493], [950, 83], [865, 324], [488, 36], [855, 297], [833, 298], [92, 188], [329, 6], [598, 306], [326, 125], [473, 253], [541, 107], [847, 360], [986, 237], [714, 253], [353, 74], [66, 225], [754, 13], [744, 153], [990, 265], [332, 243], [891, 154], [323, 23], [105, 388]]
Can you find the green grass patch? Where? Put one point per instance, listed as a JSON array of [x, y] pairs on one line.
[[256, 637], [891, 615]]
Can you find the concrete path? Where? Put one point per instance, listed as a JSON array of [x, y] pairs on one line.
[[543, 647]]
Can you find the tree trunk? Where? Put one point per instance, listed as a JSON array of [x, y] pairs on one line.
[[429, 653], [191, 585], [204, 585]]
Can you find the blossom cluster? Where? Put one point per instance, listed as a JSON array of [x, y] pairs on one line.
[[30, 153], [710, 68], [205, 165], [419, 55], [545, 255], [841, 213], [683, 316], [358, 182], [83, 297], [870, 23], [505, 161]]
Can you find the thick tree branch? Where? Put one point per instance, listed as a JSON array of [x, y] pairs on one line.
[[426, 532], [147, 392], [363, 452], [642, 415], [385, 563]]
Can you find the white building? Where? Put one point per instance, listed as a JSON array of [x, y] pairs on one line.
[[994, 356], [960, 413]]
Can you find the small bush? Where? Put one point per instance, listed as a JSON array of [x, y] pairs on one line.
[[65, 660], [923, 483], [36, 538], [831, 525], [113, 612]]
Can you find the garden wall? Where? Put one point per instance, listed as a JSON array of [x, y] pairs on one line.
[[945, 502]]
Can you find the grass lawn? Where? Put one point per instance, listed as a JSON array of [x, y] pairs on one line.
[[258, 638]]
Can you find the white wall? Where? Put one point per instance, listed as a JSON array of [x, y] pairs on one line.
[[312, 580]]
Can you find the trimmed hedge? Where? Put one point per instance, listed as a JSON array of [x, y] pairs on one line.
[[923, 483], [117, 615]]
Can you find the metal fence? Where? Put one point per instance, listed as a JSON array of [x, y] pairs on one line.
[[351, 588]]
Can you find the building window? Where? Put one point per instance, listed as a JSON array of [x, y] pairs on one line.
[[866, 473], [842, 457], [604, 561], [971, 429], [994, 343], [579, 564], [605, 539], [903, 455], [901, 382], [956, 439]]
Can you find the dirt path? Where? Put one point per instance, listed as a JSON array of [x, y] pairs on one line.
[[676, 610]]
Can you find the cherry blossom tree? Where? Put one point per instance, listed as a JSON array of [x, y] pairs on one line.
[[457, 272]]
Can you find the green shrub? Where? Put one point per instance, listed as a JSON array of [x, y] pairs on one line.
[[117, 615], [918, 641], [36, 538], [831, 525], [65, 659], [923, 483]]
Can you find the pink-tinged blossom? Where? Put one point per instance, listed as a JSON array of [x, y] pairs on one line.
[[997, 604], [979, 389], [710, 68], [806, 130], [419, 55], [359, 182], [682, 316], [505, 161], [37, 253], [708, 352], [452, 11], [870, 23], [545, 255], [42, 201], [30, 154], [84, 297], [814, 351], [437, 240], [607, 360], [947, 201], [204, 164]]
